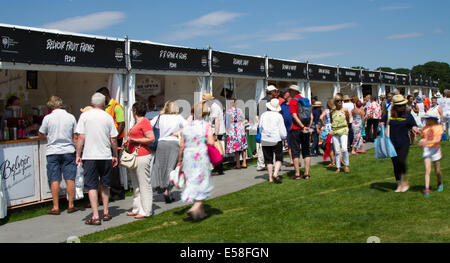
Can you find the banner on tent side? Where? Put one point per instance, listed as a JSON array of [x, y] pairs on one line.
[[228, 63], [416, 81], [38, 47], [388, 78], [427, 82], [159, 57], [370, 77], [322, 73], [287, 69], [435, 83], [402, 80], [349, 75]]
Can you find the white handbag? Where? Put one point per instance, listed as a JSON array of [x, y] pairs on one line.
[[177, 178], [129, 160]]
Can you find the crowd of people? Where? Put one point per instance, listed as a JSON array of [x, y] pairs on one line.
[[166, 141]]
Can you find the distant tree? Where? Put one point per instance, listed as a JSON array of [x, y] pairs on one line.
[[435, 70], [360, 67]]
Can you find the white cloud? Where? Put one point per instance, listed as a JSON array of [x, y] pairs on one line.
[[298, 32], [395, 7], [328, 28], [438, 31], [285, 36], [403, 36], [209, 24], [308, 56], [88, 23]]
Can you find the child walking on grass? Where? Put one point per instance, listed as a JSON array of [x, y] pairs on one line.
[[431, 138]]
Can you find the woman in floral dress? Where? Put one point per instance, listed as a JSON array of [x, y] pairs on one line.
[[236, 137], [194, 161], [358, 117]]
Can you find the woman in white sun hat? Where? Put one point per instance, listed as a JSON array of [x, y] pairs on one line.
[[273, 132]]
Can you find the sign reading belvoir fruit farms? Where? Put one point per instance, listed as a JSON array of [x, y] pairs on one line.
[[18, 171], [286, 69], [39, 47], [159, 57], [227, 63]]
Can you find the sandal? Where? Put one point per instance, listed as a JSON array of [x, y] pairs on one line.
[[92, 221], [306, 177], [295, 177], [332, 164], [53, 212], [140, 217], [131, 214], [72, 210], [277, 180], [107, 217]]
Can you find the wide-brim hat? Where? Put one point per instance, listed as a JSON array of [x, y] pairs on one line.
[[271, 88], [432, 115], [295, 87], [317, 104], [399, 100], [273, 105], [207, 96], [346, 97], [416, 91]]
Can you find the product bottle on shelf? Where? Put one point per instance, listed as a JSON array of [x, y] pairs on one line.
[[5, 131]]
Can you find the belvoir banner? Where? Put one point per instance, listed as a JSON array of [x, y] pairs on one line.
[[349, 75], [402, 80], [37, 47], [228, 63], [286, 69], [435, 84], [426, 82], [159, 57], [370, 77], [322, 73], [387, 78]]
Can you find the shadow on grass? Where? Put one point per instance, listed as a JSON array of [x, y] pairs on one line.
[[384, 187], [210, 211]]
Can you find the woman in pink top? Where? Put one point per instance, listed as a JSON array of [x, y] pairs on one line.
[[140, 136]]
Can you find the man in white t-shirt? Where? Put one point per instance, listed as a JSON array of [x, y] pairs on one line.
[[97, 137], [59, 127], [217, 123]]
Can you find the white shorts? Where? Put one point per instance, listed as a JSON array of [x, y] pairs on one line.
[[433, 153]]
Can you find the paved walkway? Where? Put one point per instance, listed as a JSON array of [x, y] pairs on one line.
[[53, 229]]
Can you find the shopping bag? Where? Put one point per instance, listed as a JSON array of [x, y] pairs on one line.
[[384, 147], [176, 177], [417, 119], [258, 135], [444, 136], [79, 183]]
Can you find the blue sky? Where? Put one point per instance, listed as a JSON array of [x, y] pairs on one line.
[[369, 33]]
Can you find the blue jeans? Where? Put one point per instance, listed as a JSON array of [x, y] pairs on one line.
[[61, 164], [315, 146]]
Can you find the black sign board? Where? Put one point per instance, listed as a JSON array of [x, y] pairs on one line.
[[388, 78], [286, 69], [349, 75], [427, 82], [227, 63], [402, 80], [322, 73], [370, 77], [159, 57], [435, 83], [36, 47], [416, 81]]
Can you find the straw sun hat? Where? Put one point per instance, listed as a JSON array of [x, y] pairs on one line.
[[273, 105], [317, 104], [295, 87], [432, 115], [399, 100]]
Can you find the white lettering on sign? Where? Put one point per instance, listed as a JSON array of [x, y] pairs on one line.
[[240, 70], [69, 59], [324, 71], [172, 65], [389, 77], [70, 46], [172, 55], [289, 74], [371, 75], [350, 73], [289, 67], [240, 62]]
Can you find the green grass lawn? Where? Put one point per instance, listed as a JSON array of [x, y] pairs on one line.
[[327, 208]]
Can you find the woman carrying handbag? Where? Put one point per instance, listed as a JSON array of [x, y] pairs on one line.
[[400, 122], [140, 136]]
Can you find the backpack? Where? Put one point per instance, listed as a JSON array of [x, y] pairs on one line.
[[304, 110]]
